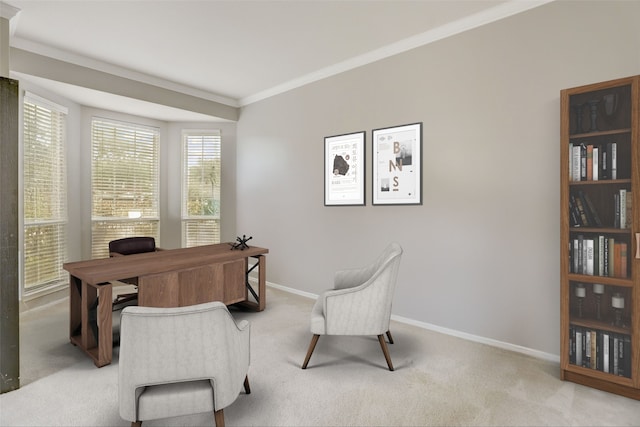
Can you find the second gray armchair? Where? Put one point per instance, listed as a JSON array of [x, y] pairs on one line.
[[180, 361], [359, 304]]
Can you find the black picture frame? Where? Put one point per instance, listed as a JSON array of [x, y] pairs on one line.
[[344, 169], [397, 165]]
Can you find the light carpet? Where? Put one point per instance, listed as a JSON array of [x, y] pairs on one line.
[[439, 380]]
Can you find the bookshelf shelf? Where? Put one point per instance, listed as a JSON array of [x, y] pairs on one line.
[[600, 205]]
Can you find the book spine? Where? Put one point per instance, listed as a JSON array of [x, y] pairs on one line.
[[614, 160], [616, 210], [579, 347], [601, 256], [622, 209], [589, 257], [623, 260], [616, 365], [611, 257], [596, 163], [605, 352], [594, 350], [629, 210], [605, 253], [581, 254], [583, 162], [589, 164], [617, 259], [575, 163]]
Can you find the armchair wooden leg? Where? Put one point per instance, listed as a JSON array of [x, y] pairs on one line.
[[312, 346], [247, 389], [219, 417], [389, 336], [385, 350], [136, 423]]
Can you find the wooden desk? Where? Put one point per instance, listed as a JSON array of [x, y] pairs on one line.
[[168, 278]]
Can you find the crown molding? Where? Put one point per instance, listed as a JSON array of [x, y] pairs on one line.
[[7, 11], [504, 10], [83, 61]]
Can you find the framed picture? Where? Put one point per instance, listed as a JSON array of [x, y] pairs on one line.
[[397, 165], [344, 170]]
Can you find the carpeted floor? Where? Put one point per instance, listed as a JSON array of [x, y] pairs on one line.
[[439, 380]]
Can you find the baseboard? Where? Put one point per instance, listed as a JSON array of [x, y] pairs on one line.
[[470, 337]]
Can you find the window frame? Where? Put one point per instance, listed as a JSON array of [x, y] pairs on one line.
[[213, 222], [55, 134], [141, 220]]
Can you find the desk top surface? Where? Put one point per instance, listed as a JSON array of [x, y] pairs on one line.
[[101, 270]]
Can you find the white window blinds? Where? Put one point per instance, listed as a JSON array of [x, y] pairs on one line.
[[124, 182], [201, 188], [45, 194]]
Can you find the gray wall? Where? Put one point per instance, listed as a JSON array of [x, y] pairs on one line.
[[482, 252]]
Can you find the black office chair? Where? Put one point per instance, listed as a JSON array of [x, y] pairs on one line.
[[130, 246]]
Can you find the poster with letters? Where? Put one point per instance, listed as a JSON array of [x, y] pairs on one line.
[[397, 165]]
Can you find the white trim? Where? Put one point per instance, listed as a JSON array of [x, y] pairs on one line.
[[452, 332], [7, 11], [43, 102], [479, 19], [63, 55]]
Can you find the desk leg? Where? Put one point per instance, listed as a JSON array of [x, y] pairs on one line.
[[262, 282], [75, 302], [261, 297], [105, 325], [90, 319]]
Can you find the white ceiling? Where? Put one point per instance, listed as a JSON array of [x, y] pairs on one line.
[[234, 52]]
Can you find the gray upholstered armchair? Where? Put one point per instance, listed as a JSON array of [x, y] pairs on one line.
[[360, 303], [180, 361]]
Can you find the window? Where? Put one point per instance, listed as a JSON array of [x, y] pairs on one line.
[[201, 188], [124, 183], [45, 194]]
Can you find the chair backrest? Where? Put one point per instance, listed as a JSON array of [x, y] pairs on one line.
[[367, 310], [132, 245], [168, 345]]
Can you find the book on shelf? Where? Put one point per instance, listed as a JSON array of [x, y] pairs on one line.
[[622, 210], [600, 269], [589, 164], [588, 257], [605, 352], [583, 162], [596, 163], [610, 256], [612, 159], [574, 161], [629, 209]]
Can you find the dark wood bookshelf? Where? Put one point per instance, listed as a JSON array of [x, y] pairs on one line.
[[605, 307]]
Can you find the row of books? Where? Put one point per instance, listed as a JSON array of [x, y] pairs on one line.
[[601, 350], [583, 212], [598, 256], [590, 162], [623, 205]]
